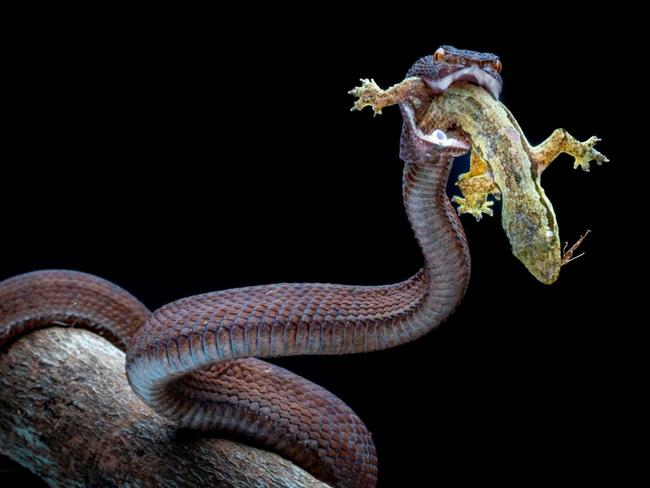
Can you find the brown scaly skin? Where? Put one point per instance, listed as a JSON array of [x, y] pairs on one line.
[[194, 360], [502, 163], [179, 359]]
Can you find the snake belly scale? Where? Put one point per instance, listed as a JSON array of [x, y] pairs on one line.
[[195, 359]]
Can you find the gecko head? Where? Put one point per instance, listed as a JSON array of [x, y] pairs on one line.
[[449, 64], [529, 221]]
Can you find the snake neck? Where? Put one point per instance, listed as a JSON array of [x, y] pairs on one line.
[[271, 320], [310, 318], [440, 235]]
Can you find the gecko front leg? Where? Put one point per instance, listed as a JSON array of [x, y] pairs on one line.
[[369, 94], [560, 141], [476, 185]]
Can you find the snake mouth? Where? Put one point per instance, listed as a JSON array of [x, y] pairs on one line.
[[449, 140], [474, 74]]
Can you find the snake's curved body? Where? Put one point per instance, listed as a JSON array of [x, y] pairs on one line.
[[193, 360]]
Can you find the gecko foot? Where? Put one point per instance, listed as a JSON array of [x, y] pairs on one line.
[[367, 94], [476, 186], [474, 206], [586, 153]]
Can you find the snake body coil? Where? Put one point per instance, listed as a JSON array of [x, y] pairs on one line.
[[194, 360]]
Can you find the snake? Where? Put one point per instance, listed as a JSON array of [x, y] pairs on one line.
[[197, 360]]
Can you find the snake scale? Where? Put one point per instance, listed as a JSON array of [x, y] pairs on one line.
[[195, 359]]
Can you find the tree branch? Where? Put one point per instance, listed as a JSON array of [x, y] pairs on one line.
[[68, 414]]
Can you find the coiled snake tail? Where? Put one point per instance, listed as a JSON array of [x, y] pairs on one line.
[[195, 360]]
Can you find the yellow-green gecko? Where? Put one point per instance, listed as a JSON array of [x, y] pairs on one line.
[[502, 161]]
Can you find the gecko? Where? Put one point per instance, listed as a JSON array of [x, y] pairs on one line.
[[457, 92]]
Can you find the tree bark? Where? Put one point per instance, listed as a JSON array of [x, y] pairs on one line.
[[68, 415]]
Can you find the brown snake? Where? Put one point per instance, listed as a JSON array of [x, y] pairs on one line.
[[193, 360]]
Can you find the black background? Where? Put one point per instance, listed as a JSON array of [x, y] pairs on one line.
[[182, 153]]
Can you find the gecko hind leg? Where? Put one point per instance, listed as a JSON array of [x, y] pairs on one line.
[[476, 186]]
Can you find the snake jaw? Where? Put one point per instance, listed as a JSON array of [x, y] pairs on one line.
[[445, 141], [473, 73]]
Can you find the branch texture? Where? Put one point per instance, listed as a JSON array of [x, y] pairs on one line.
[[68, 414]]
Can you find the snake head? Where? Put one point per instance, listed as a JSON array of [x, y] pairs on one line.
[[449, 64]]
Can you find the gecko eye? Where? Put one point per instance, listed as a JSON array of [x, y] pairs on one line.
[[439, 55]]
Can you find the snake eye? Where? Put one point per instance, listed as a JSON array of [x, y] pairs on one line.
[[439, 54], [497, 66]]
